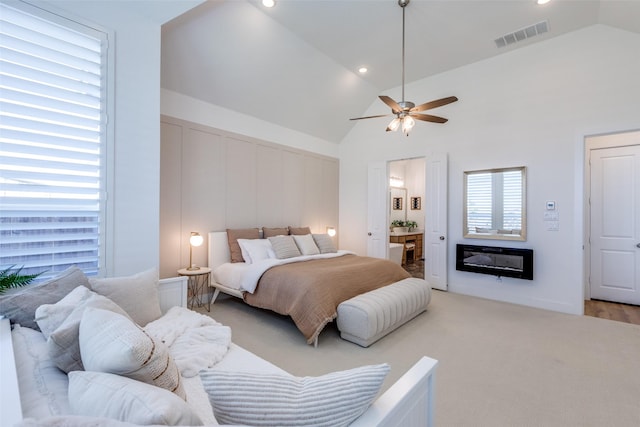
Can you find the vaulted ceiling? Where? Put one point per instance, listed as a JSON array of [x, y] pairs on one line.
[[296, 65]]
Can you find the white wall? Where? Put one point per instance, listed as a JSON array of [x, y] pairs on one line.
[[530, 107], [134, 225]]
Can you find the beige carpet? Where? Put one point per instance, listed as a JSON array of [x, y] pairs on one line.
[[499, 364]]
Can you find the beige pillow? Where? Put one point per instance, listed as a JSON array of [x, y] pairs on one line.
[[111, 343], [98, 394], [306, 244], [284, 247], [299, 230], [63, 343], [325, 244], [270, 232], [136, 294], [242, 233]]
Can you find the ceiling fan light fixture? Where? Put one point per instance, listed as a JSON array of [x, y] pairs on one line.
[[394, 125], [407, 124], [403, 110]]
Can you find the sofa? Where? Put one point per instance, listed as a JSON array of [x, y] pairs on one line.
[[126, 351]]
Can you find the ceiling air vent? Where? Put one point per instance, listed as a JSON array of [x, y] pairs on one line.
[[522, 34]]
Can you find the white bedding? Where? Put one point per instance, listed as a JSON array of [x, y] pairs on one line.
[[244, 277]]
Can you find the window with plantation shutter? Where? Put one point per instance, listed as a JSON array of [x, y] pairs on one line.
[[52, 138], [494, 201]]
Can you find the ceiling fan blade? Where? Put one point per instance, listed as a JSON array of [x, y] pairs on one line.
[[429, 118], [434, 104], [395, 107], [371, 117]]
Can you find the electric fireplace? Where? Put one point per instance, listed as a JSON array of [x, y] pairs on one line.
[[497, 261]]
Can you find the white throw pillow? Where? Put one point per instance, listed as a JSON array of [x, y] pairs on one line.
[[110, 342], [284, 247], [136, 294], [50, 316], [306, 244], [63, 343], [43, 387], [259, 399], [99, 394], [256, 250]]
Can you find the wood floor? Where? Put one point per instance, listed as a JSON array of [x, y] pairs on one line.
[[613, 311]]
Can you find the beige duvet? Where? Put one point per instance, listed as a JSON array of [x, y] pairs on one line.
[[310, 291]]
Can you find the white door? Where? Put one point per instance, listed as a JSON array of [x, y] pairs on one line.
[[377, 227], [435, 230], [615, 224]]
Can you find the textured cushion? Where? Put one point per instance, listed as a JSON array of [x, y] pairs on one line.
[[63, 343], [299, 230], [20, 304], [284, 247], [136, 294], [43, 387], [270, 232], [50, 316], [306, 244], [324, 243], [110, 342], [366, 318], [256, 250], [259, 399], [232, 237], [100, 394]]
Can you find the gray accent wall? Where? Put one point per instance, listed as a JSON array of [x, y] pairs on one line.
[[211, 180]]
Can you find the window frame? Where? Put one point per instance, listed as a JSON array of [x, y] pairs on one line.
[[54, 14]]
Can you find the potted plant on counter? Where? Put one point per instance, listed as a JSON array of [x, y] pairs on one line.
[[412, 225], [399, 226]]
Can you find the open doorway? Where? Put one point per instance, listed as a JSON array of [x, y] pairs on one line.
[[406, 214], [433, 211]]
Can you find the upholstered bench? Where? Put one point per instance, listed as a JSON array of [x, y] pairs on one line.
[[366, 318]]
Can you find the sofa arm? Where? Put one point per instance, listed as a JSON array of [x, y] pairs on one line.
[[172, 292], [10, 407]]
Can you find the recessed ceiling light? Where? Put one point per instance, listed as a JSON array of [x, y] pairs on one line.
[[542, 1], [363, 70], [268, 3]]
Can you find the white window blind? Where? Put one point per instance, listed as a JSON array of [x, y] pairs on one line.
[[494, 201], [52, 135]]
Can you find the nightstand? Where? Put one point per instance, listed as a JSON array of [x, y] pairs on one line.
[[198, 283]]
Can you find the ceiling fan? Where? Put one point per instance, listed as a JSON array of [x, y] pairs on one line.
[[407, 111]]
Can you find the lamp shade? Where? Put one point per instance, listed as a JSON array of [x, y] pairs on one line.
[[195, 239], [331, 231]]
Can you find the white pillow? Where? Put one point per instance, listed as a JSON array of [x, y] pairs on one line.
[[63, 343], [259, 399], [43, 387], [110, 342], [306, 244], [136, 294], [284, 247], [99, 394], [50, 316], [256, 250]]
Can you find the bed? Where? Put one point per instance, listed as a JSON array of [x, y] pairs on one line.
[[308, 288]]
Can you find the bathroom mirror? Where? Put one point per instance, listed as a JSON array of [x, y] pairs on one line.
[[397, 204], [495, 204]]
